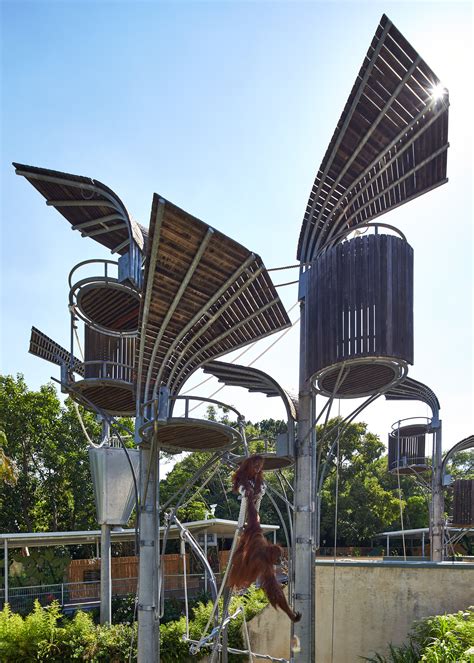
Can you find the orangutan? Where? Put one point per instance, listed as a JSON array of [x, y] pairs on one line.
[[255, 557]]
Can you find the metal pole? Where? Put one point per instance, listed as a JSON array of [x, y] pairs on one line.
[[423, 544], [205, 554], [5, 566], [437, 525], [105, 576], [148, 647], [304, 567]]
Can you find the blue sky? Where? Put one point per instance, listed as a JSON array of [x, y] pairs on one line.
[[226, 109]]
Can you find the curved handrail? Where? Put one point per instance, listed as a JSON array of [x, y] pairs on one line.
[[396, 425], [348, 231], [89, 262]]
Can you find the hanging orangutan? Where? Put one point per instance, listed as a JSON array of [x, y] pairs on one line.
[[255, 557]]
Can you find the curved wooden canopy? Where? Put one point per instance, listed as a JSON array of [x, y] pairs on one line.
[[412, 390], [90, 207], [390, 144], [234, 375], [204, 296]]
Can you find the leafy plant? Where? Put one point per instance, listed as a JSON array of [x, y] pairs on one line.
[[440, 639]]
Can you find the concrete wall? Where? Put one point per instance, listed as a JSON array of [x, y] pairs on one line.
[[375, 604]]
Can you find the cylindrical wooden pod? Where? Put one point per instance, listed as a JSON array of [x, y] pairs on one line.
[[359, 300], [108, 372], [463, 506], [406, 450]]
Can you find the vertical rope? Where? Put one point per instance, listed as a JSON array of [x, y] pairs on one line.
[[336, 505]]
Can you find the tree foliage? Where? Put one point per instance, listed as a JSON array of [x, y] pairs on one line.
[[45, 444]]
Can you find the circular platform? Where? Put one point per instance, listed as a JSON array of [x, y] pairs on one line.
[[185, 434], [108, 305], [360, 377], [416, 467], [115, 397], [411, 430], [271, 461]]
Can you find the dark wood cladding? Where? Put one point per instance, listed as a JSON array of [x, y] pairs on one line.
[[389, 146], [93, 201], [359, 303], [463, 505], [228, 301], [235, 375], [406, 453], [112, 306], [108, 357], [44, 347]]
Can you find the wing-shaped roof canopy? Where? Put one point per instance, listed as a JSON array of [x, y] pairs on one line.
[[204, 295], [412, 390], [44, 347], [254, 380], [90, 207], [390, 144]]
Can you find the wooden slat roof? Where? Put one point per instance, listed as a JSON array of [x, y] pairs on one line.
[[234, 375], [390, 144], [412, 390], [204, 296], [44, 347], [90, 207]]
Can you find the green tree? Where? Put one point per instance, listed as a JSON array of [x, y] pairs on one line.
[[46, 444]]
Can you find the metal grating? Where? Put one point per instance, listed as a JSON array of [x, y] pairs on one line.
[[390, 144], [205, 295], [44, 347]]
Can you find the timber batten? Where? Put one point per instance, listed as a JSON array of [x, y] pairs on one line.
[[389, 146], [360, 315]]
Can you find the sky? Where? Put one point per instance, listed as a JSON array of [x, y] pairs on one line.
[[226, 109]]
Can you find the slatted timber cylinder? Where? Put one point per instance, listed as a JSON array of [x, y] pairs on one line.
[[359, 302], [463, 505], [406, 449], [108, 372]]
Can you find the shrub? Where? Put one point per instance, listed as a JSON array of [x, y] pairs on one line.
[[440, 639], [45, 635]]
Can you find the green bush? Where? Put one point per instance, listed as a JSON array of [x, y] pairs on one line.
[[440, 639], [45, 635]]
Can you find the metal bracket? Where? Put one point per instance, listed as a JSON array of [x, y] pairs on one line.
[[146, 608], [144, 543], [302, 597], [301, 539], [305, 509]]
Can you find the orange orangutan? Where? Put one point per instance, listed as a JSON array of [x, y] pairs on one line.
[[256, 557]]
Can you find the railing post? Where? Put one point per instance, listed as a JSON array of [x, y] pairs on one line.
[[62, 595], [5, 561]]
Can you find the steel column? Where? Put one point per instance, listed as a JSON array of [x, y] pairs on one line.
[[304, 564], [105, 576], [148, 644], [437, 524]]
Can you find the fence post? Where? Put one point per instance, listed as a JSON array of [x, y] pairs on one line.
[[5, 559], [62, 595]]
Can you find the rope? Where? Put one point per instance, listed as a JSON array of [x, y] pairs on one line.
[[247, 349], [81, 422], [251, 363]]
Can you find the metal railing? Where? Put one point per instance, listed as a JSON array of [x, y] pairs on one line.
[[86, 595]]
